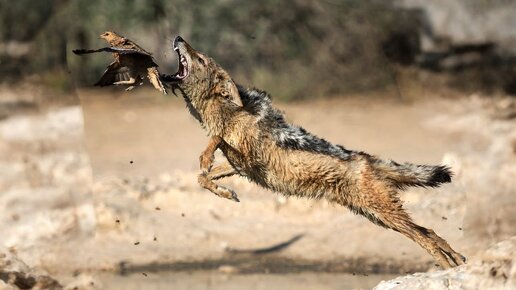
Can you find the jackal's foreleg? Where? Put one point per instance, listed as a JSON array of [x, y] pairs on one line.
[[208, 174], [223, 170], [208, 155]]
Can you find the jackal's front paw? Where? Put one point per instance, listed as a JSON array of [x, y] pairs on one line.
[[227, 193]]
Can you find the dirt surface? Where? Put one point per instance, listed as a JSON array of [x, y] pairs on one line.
[[492, 269], [111, 186]]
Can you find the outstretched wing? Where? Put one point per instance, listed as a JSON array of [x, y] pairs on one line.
[[125, 43], [129, 44], [111, 49]]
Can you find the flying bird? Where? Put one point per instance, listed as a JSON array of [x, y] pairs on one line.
[[130, 66]]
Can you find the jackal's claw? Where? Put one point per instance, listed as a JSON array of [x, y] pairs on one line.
[[234, 197], [228, 193]]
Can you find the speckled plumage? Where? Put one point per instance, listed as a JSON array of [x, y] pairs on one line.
[[130, 66], [261, 145]]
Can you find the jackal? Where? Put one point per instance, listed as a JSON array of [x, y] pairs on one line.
[[261, 145]]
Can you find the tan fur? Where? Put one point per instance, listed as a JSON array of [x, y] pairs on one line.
[[251, 151]]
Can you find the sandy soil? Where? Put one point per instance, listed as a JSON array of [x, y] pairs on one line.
[[494, 269], [111, 186]]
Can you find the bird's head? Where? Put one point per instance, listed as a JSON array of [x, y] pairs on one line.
[[109, 36]]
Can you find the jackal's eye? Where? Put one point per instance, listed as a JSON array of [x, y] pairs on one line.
[[201, 60]]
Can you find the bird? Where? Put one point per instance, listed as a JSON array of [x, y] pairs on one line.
[[130, 66]]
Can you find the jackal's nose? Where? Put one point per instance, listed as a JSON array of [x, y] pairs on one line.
[[178, 40]]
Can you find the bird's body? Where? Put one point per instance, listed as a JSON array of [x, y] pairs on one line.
[[130, 66]]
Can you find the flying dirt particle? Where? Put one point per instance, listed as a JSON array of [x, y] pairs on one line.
[[182, 214], [437, 265], [117, 221], [444, 218], [354, 274], [144, 274], [137, 243], [155, 239], [460, 229], [131, 162], [157, 208]]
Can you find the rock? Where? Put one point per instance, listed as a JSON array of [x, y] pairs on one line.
[[15, 274], [494, 269]]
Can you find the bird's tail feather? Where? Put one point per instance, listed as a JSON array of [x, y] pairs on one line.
[[154, 79]]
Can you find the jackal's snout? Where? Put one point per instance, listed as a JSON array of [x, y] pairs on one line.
[[182, 49]]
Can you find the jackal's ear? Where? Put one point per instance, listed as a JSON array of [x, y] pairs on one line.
[[230, 92]]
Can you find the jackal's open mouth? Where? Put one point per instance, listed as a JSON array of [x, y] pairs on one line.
[[182, 71]]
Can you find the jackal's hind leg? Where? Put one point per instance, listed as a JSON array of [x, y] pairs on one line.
[[208, 174], [397, 219]]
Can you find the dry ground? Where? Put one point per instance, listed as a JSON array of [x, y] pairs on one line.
[[112, 185]]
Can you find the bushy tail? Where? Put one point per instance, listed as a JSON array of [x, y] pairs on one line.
[[407, 174]]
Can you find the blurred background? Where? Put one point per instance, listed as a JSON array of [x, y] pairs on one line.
[[320, 48], [98, 185]]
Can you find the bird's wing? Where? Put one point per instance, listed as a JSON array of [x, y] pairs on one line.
[[129, 44], [115, 73], [111, 49]]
